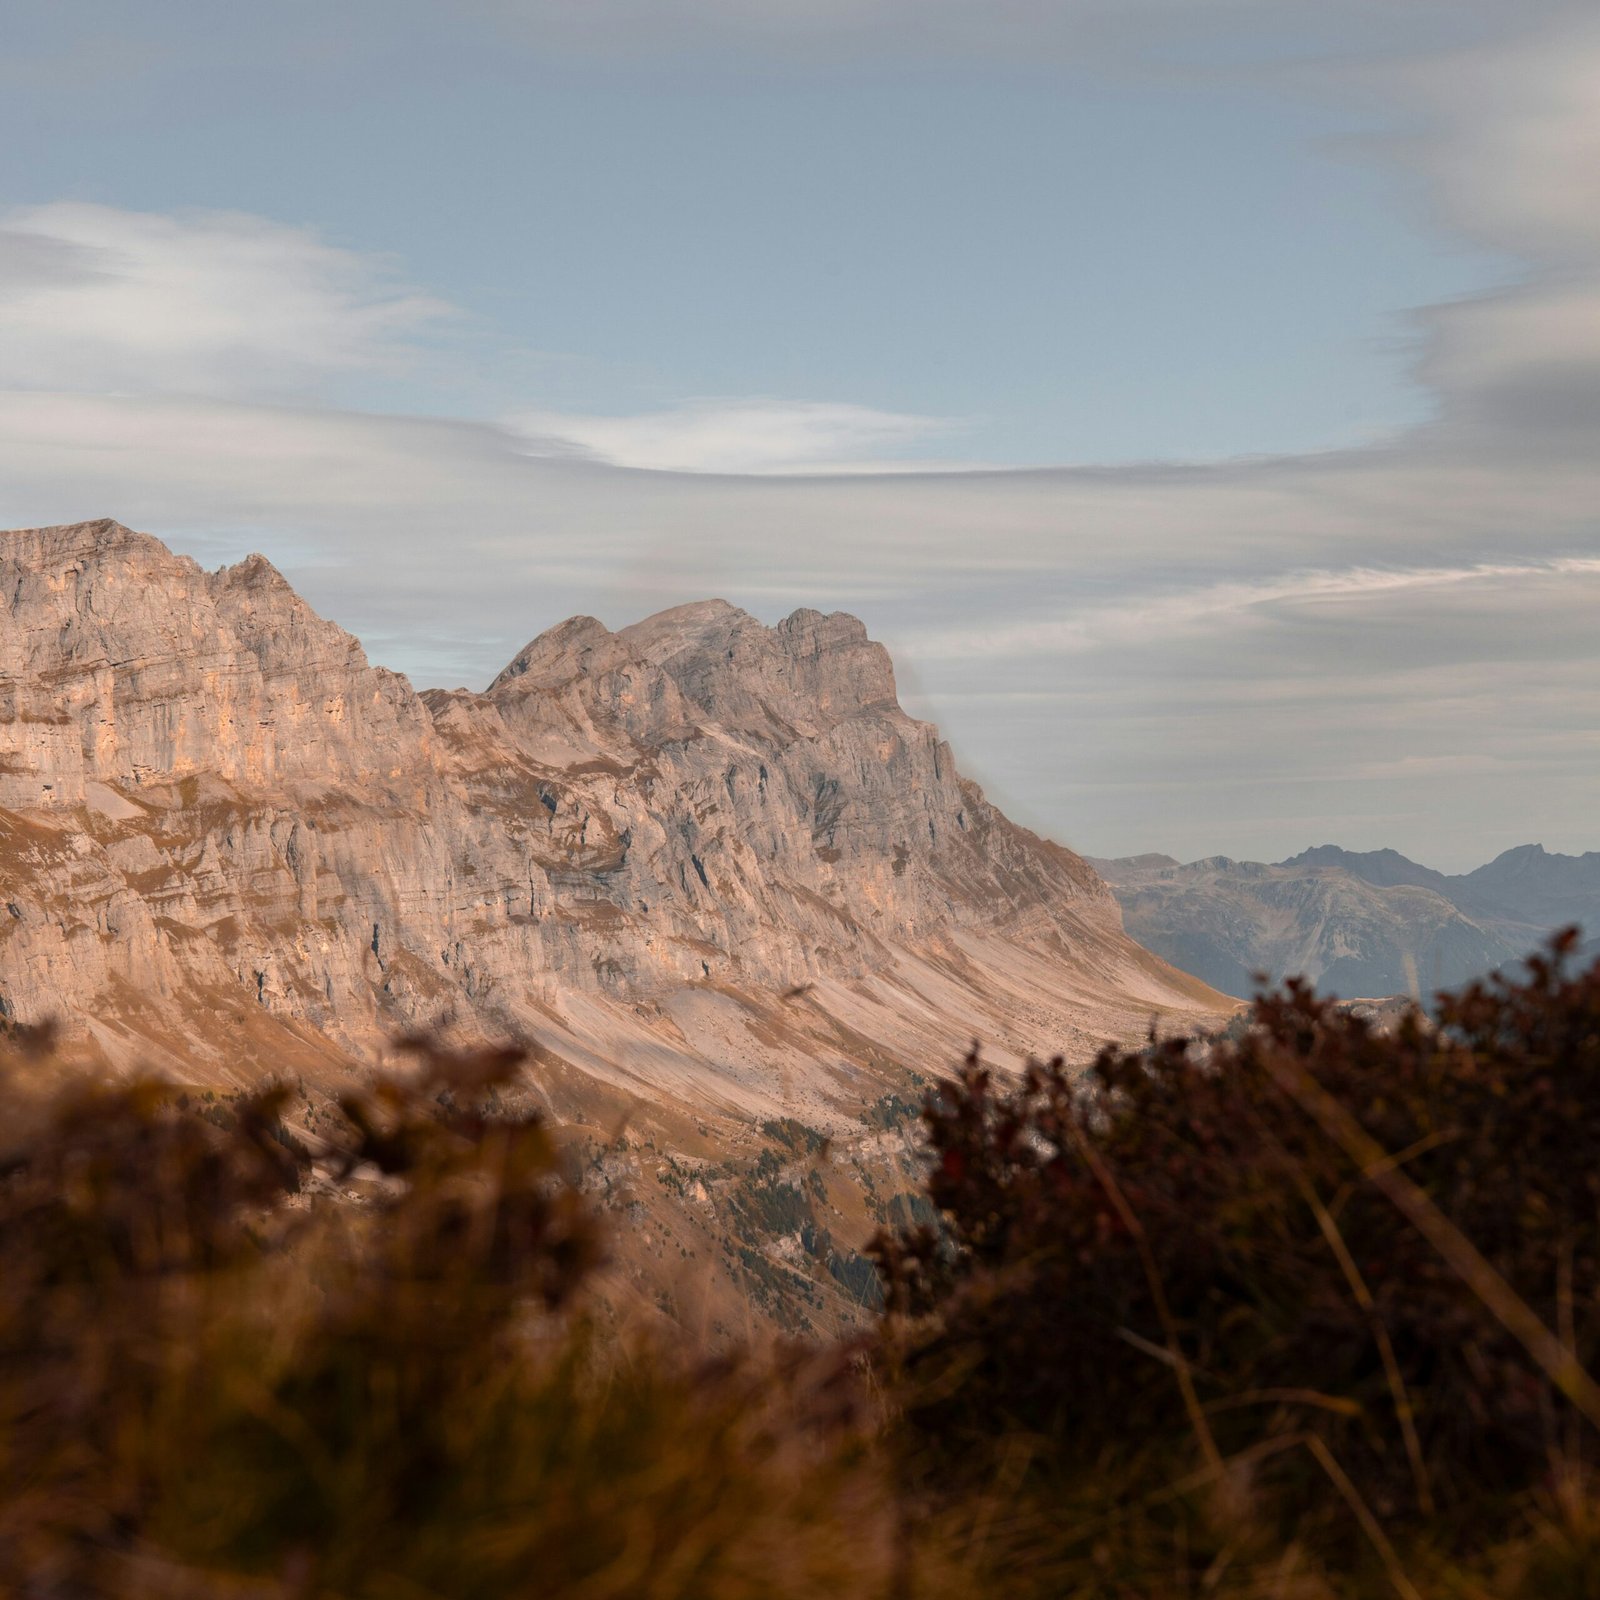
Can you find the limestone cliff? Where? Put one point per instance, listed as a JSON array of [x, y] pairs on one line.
[[707, 867]]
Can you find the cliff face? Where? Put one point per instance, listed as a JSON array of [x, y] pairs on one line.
[[229, 844]]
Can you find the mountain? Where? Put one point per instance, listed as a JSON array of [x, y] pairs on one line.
[[708, 869], [1537, 888], [1358, 923], [1527, 886], [1386, 869]]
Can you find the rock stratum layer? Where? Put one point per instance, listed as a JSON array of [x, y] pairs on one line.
[[705, 867]]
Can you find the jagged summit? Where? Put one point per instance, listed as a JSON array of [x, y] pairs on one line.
[[708, 663], [696, 625], [254, 570], [1524, 855], [1333, 855], [1537, 885], [62, 543], [123, 663], [1384, 868], [583, 644]]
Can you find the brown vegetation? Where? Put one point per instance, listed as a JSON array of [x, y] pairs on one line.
[[208, 1387], [1309, 1311]]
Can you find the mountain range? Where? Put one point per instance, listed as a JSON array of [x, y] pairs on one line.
[[734, 900], [1358, 923]]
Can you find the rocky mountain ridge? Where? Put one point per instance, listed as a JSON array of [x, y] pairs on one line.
[[1358, 923], [708, 869], [1525, 887]]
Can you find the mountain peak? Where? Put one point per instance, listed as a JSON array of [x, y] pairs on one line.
[[234, 848], [254, 572], [701, 625], [691, 614], [1520, 853], [93, 530], [557, 654], [713, 664], [1385, 869]]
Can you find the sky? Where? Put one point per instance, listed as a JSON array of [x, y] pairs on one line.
[[1200, 398]]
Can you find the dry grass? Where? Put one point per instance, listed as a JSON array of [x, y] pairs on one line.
[[209, 1387]]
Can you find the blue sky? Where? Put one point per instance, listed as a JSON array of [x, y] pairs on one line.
[[1081, 262], [472, 315]]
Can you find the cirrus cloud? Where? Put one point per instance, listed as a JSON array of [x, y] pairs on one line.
[[738, 436]]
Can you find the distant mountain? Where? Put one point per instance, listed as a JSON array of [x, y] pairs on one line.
[[1535, 887], [1527, 886], [1386, 869], [1358, 923]]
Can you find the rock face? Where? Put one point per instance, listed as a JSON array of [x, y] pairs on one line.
[[702, 863], [1358, 923]]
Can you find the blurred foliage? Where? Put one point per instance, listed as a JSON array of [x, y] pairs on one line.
[[1310, 1304], [1305, 1310], [211, 1386]]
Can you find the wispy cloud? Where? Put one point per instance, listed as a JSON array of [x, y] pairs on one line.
[[1030, 31], [1098, 624], [738, 436]]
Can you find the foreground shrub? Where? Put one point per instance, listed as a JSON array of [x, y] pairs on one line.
[[209, 1387], [1305, 1312], [1321, 1290]]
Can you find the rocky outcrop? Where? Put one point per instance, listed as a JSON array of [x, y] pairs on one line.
[[705, 861]]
